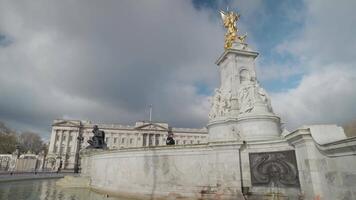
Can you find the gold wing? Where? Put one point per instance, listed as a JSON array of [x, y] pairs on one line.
[[223, 15]]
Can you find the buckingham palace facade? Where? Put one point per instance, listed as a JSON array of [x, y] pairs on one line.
[[69, 136]]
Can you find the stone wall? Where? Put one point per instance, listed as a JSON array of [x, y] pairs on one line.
[[191, 171], [326, 168], [26, 165]]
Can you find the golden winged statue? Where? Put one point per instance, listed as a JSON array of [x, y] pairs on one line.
[[230, 20]]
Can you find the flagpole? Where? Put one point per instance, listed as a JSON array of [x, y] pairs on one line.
[[150, 112]]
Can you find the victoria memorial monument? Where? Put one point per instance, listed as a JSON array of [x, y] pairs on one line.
[[246, 155]]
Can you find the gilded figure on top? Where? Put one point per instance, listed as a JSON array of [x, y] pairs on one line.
[[230, 20]]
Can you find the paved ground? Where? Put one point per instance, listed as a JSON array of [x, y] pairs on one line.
[[4, 177]]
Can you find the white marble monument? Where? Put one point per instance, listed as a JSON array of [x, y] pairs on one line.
[[241, 108], [246, 155]]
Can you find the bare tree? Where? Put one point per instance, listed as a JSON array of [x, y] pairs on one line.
[[8, 139], [30, 141], [5, 129], [7, 143]]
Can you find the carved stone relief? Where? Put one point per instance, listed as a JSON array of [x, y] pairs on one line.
[[246, 96], [249, 95], [220, 105], [246, 99], [262, 94], [274, 169]]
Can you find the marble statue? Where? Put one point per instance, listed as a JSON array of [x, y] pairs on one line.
[[246, 99], [264, 97], [249, 95], [215, 104]]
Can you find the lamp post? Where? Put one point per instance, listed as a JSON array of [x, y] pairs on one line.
[[79, 142]]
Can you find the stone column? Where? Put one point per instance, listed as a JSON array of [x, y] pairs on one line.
[[74, 141], [157, 139], [66, 153], [70, 132], [163, 139], [147, 139], [138, 138], [123, 137], [75, 148], [144, 142], [53, 141], [129, 136], [119, 140], [128, 140], [110, 139], [150, 138], [60, 135]]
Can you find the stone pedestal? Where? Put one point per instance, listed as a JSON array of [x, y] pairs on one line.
[[190, 171], [259, 127], [241, 109]]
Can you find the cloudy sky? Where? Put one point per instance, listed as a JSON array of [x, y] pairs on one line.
[[107, 61]]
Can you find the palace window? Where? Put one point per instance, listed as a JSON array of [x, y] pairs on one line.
[[150, 139], [122, 140], [115, 140], [131, 141], [157, 140], [144, 143]]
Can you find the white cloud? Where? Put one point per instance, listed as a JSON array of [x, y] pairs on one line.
[[327, 96], [325, 48], [278, 71]]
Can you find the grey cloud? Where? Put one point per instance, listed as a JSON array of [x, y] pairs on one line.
[[106, 62]]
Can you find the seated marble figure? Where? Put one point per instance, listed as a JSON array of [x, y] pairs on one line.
[[98, 140]]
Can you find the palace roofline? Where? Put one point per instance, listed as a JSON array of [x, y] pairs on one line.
[[89, 124]]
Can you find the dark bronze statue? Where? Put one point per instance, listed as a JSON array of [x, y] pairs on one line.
[[98, 140], [170, 140]]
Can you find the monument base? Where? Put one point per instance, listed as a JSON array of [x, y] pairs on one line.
[[245, 128], [187, 171]]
